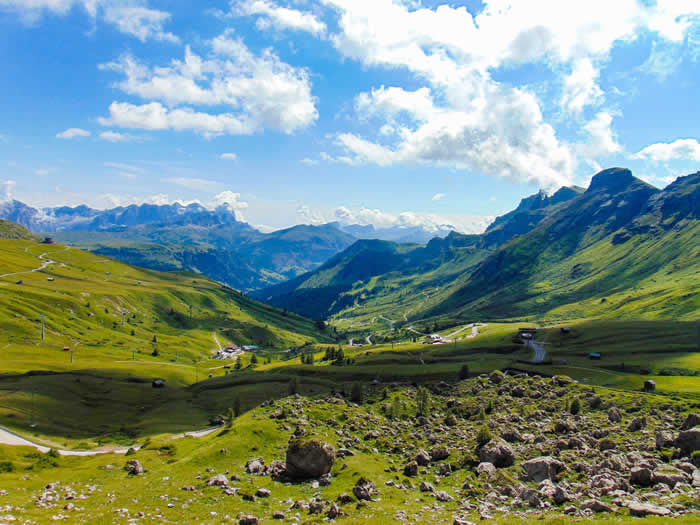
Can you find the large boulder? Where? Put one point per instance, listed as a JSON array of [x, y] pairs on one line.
[[309, 458], [614, 415], [134, 467], [423, 458], [638, 423], [642, 477], [439, 452], [218, 481], [544, 467], [364, 489], [411, 469], [646, 509], [688, 440], [497, 452], [693, 420]]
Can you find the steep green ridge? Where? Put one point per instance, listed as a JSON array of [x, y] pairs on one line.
[[237, 255], [11, 230], [620, 249]]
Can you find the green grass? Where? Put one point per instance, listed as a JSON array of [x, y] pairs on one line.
[[172, 464]]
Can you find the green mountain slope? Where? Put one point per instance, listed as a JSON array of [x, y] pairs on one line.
[[11, 230], [621, 248], [96, 303]]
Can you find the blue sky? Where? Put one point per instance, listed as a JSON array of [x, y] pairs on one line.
[[388, 112]]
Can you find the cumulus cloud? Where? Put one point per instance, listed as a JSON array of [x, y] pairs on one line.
[[7, 190], [229, 156], [496, 130], [259, 92], [430, 222], [438, 196], [681, 149], [462, 117], [71, 133], [131, 17], [281, 18]]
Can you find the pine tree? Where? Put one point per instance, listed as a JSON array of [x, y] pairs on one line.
[[356, 393], [254, 359], [395, 408], [237, 406], [238, 364], [463, 372]]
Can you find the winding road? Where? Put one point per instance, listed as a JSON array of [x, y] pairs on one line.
[[44, 264], [540, 352], [10, 438]]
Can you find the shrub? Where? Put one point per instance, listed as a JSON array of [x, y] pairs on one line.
[[422, 401], [484, 435], [396, 408], [237, 406], [7, 466], [575, 407], [463, 372], [168, 450]]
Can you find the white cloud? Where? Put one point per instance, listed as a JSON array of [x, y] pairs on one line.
[[462, 117], [140, 22], [260, 92], [438, 196], [113, 136], [7, 190], [580, 87], [408, 219], [681, 149], [602, 139], [229, 156], [495, 130], [131, 17], [280, 17], [71, 133], [309, 162], [306, 215]]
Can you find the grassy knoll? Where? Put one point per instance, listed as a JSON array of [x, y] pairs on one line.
[[381, 442], [122, 327]]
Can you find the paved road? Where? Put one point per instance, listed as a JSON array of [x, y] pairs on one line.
[[540, 352], [44, 264], [412, 329], [369, 340], [217, 342]]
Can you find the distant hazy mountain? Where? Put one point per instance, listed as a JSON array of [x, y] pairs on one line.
[[406, 234], [83, 218], [176, 237], [620, 248]]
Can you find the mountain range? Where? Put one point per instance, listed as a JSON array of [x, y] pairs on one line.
[[192, 237], [620, 248]]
